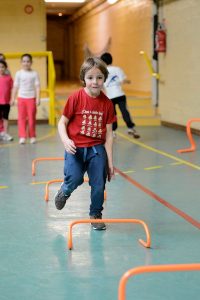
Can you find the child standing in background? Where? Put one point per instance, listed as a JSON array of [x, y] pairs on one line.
[[85, 129], [6, 84], [2, 57], [114, 92], [27, 86]]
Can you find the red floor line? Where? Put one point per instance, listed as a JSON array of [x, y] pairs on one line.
[[161, 200]]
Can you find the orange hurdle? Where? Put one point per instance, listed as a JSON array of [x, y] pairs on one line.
[[146, 244], [34, 161], [189, 135], [46, 195], [152, 269]]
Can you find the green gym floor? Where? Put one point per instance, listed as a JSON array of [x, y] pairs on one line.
[[154, 183]]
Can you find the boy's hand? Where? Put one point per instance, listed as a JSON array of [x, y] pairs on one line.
[[111, 173], [69, 146], [37, 102], [12, 102]]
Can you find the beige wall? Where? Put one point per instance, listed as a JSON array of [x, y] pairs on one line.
[[21, 32], [129, 24], [180, 67]]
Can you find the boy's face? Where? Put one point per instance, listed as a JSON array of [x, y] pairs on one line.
[[26, 63], [2, 69], [94, 80]]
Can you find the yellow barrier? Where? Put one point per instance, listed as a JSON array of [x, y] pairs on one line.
[[153, 73], [51, 80]]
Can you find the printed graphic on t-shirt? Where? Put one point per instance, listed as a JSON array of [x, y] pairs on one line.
[[92, 123], [112, 80]]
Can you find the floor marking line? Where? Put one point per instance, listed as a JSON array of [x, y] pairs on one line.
[[153, 168], [174, 209], [159, 151], [39, 182], [176, 163], [130, 171], [50, 134], [3, 186]]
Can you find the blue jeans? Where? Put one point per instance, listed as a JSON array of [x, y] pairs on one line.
[[92, 160]]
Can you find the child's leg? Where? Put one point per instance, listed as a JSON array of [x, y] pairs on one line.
[[114, 125], [97, 172], [124, 111], [31, 111], [22, 115], [6, 110], [1, 126], [5, 125], [74, 169]]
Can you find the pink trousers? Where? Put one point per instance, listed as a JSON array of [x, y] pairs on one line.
[[26, 115]]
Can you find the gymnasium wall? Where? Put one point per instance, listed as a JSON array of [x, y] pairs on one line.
[[24, 32], [129, 24], [179, 86]]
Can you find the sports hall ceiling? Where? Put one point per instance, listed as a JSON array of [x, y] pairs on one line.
[[67, 9]]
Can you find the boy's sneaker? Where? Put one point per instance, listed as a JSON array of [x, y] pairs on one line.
[[98, 226], [32, 140], [60, 199], [7, 137], [22, 141], [134, 133]]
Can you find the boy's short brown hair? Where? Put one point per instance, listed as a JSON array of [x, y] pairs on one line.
[[90, 63]]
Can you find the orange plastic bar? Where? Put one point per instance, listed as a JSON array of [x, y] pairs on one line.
[[189, 135], [152, 269], [146, 244], [34, 161], [46, 196]]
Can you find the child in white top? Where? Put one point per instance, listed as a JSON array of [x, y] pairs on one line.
[[27, 87], [114, 91]]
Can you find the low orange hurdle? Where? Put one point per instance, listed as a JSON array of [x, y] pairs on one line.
[[46, 195], [189, 135], [152, 269], [146, 244], [34, 161]]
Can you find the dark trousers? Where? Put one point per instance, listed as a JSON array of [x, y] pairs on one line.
[[121, 101], [92, 160]]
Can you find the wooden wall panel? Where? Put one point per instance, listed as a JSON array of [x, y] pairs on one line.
[[128, 23]]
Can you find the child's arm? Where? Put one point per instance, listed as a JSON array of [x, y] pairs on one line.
[[67, 142], [37, 88], [109, 150], [126, 81], [14, 95]]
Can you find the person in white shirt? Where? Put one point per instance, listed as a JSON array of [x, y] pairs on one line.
[[27, 90], [113, 89]]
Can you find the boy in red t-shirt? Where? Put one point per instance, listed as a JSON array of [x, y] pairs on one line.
[[85, 129], [6, 84]]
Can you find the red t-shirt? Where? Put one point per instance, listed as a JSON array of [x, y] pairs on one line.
[[6, 84], [88, 118]]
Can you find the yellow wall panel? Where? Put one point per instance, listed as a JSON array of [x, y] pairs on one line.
[[128, 23], [180, 66], [22, 32]]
